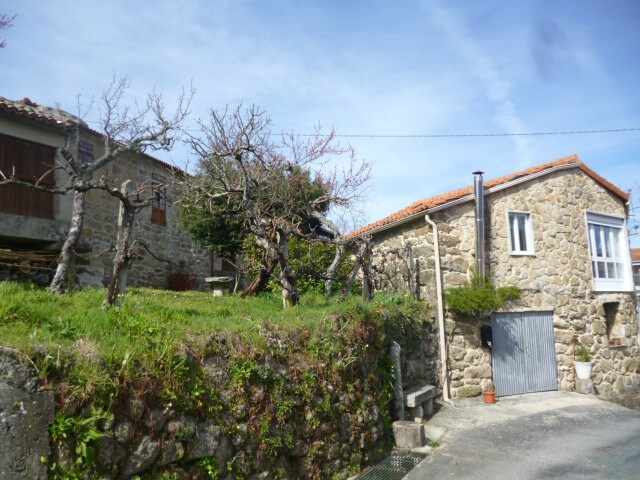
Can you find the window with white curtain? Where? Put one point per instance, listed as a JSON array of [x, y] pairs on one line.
[[610, 261], [521, 233]]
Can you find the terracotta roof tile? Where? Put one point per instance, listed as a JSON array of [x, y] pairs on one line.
[[42, 113], [635, 254], [428, 203], [56, 117]]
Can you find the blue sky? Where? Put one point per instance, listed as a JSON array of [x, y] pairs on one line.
[[374, 67]]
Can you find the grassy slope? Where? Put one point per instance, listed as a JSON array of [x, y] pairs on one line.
[[72, 339], [30, 316]]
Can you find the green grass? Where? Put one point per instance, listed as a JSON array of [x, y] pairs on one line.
[[29, 316], [157, 340], [73, 341]]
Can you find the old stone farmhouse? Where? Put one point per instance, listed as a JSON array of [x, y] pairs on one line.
[[33, 224], [558, 232]]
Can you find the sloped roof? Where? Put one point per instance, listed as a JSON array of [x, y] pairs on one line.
[[41, 113], [26, 108], [635, 254], [431, 202]]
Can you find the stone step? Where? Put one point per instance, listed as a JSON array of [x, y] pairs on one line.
[[409, 434]]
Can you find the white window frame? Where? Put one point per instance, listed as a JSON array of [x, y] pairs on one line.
[[514, 238], [620, 257]]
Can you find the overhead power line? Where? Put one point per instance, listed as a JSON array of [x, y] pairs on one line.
[[449, 135]]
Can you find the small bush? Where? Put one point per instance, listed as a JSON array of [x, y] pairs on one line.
[[479, 297]]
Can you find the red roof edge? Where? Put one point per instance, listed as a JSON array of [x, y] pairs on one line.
[[428, 203]]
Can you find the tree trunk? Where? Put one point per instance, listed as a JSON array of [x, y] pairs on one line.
[[122, 257], [289, 282], [367, 284], [333, 268], [352, 278], [261, 281], [61, 277]]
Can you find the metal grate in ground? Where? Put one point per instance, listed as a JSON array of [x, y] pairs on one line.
[[394, 467]]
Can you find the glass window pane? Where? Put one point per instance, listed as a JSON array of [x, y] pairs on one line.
[[597, 231], [601, 270], [615, 242], [606, 240], [522, 232], [611, 270], [619, 271]]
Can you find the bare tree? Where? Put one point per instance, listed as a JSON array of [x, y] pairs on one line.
[[283, 184], [5, 22], [130, 206], [124, 130], [363, 250]]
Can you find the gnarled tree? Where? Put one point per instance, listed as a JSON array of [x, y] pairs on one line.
[[278, 186]]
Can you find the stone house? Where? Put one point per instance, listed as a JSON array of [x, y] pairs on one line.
[[33, 224], [558, 232]]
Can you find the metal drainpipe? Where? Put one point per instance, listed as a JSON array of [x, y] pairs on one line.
[[478, 191], [443, 339]]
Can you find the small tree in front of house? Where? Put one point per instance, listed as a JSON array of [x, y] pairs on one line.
[[277, 187], [124, 253]]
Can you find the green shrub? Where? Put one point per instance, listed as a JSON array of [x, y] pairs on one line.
[[478, 297]]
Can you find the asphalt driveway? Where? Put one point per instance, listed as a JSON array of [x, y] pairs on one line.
[[559, 435]]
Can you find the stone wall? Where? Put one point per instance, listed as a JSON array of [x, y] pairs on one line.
[[154, 441], [557, 278], [167, 242], [25, 416]]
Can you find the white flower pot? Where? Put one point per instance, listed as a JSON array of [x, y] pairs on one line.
[[583, 370]]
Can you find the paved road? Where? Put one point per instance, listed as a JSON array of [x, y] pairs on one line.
[[551, 435]]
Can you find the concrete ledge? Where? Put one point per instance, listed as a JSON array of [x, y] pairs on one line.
[[418, 395]]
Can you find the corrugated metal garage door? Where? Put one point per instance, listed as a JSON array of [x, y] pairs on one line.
[[524, 355]]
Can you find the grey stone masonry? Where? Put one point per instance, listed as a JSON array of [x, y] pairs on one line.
[[25, 416]]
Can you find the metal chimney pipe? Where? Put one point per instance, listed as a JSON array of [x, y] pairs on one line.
[[478, 191]]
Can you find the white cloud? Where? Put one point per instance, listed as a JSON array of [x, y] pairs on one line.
[[498, 90]]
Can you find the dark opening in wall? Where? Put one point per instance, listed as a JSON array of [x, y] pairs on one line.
[[610, 314]]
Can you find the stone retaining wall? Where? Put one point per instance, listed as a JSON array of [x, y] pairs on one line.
[[25, 416]]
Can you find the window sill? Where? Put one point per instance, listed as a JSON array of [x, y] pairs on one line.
[[612, 289], [522, 254]]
